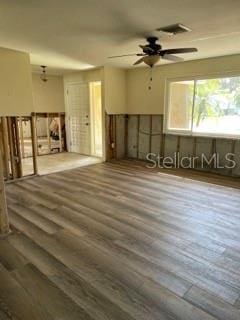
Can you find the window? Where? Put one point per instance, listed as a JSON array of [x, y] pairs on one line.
[[204, 107]]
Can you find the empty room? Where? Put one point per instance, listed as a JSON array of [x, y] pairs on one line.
[[120, 160]]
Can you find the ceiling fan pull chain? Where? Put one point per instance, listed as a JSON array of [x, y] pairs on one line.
[[151, 78]]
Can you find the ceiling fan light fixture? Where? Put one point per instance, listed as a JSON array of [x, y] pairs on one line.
[[151, 60]]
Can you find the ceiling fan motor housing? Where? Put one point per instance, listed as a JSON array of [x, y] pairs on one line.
[[152, 48], [152, 39]]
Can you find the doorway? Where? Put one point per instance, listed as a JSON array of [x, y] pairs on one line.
[[50, 140], [79, 118], [96, 118], [84, 115]]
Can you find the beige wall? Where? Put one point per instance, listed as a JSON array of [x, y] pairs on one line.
[[15, 83], [115, 90], [141, 100], [48, 96], [84, 76]]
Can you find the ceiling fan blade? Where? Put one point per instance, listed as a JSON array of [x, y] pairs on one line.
[[172, 58], [125, 55], [139, 61], [128, 55], [178, 51]]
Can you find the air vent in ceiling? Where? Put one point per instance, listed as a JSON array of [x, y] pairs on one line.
[[175, 29]]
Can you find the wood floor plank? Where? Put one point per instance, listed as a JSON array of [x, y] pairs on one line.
[[104, 247], [9, 257], [217, 307], [121, 241], [46, 225], [117, 283], [27, 198], [20, 303], [79, 290], [45, 294], [5, 313], [186, 268], [150, 201], [186, 228], [4, 316]]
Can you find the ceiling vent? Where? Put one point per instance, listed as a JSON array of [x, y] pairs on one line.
[[175, 29]]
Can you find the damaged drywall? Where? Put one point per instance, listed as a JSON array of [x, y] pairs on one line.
[[138, 136]]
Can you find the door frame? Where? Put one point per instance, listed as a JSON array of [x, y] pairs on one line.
[[66, 87], [68, 115], [93, 115]]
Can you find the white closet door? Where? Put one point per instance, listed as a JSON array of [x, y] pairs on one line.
[[79, 118]]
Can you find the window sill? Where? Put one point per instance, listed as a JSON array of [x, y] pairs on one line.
[[202, 135]]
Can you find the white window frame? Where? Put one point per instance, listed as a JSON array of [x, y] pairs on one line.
[[189, 132]]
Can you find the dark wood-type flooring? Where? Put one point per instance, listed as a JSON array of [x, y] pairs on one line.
[[118, 241]]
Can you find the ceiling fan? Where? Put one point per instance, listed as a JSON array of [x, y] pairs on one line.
[[152, 52]]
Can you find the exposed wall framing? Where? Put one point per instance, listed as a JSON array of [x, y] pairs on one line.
[[4, 223], [4, 149], [34, 144], [144, 134], [116, 136], [10, 148], [50, 132], [12, 145], [19, 140]]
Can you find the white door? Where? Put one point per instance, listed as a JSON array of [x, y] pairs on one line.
[[79, 118]]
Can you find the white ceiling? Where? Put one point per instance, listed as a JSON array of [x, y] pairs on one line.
[[75, 34]]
